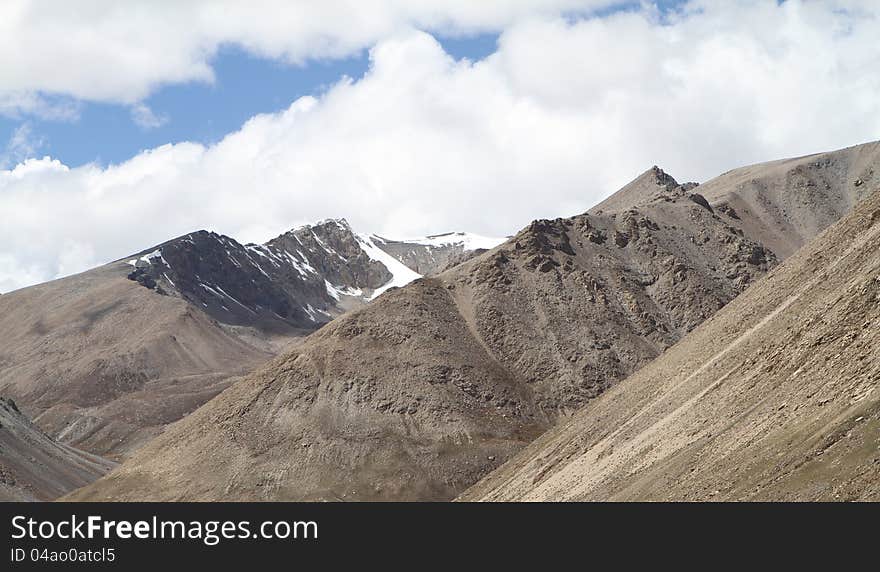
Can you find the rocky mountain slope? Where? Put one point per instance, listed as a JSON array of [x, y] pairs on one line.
[[300, 279], [774, 398], [782, 204], [105, 359], [35, 467], [424, 391]]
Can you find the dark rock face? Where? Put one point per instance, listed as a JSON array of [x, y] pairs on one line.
[[335, 252], [296, 279], [302, 278], [701, 200], [663, 179]]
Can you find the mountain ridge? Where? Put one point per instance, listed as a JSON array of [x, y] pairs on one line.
[[422, 392], [774, 398], [104, 359], [418, 395]]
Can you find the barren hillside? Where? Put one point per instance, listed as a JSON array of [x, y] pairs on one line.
[[422, 392], [433, 385], [774, 398], [102, 363], [104, 360], [35, 467]]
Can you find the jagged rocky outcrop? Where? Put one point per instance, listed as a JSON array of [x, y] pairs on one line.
[[297, 278]]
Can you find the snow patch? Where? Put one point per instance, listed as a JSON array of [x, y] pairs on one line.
[[466, 240], [220, 293], [401, 275], [336, 291], [302, 267], [312, 312], [148, 258]]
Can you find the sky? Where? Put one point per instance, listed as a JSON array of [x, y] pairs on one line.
[[125, 124]]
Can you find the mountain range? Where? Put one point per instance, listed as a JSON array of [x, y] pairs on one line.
[[425, 390], [105, 359], [577, 359]]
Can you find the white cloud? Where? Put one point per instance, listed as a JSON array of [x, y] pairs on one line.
[[18, 104], [564, 113], [146, 118], [22, 144], [106, 50]]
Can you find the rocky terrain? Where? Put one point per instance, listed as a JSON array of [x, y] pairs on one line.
[[35, 467], [300, 279], [104, 360], [774, 398], [422, 392], [419, 394], [782, 204]]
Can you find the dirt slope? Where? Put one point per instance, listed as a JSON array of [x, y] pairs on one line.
[[102, 363], [35, 467], [774, 398]]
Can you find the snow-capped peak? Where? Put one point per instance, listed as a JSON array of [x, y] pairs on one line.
[[339, 222]]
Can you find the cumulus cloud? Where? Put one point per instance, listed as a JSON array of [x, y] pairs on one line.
[[565, 112], [105, 50], [22, 144]]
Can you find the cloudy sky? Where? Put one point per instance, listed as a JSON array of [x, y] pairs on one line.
[[125, 124]]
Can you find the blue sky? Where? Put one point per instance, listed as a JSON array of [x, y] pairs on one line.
[[245, 85]]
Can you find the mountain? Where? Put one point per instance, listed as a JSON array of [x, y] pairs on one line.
[[105, 359], [300, 279], [782, 204], [427, 389], [774, 398], [35, 467], [649, 186]]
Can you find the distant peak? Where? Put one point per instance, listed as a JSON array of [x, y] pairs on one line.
[[324, 223], [638, 191], [333, 221], [660, 177]]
